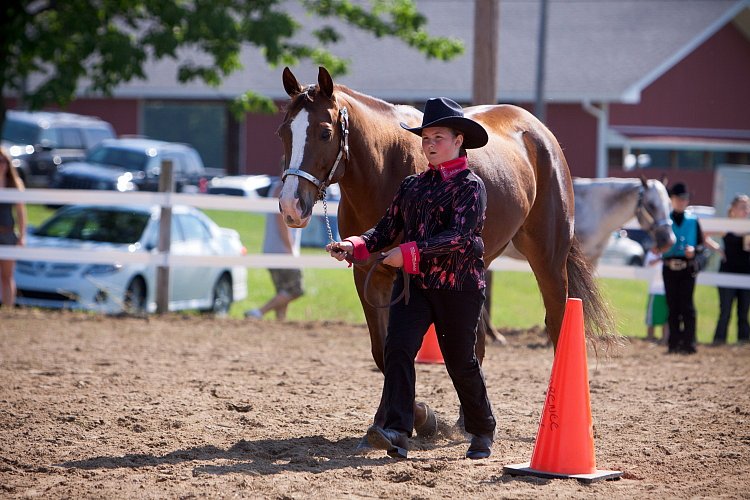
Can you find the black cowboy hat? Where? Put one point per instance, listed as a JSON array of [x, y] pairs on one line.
[[443, 112], [679, 189]]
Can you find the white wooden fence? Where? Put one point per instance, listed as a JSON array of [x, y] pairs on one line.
[[236, 203]]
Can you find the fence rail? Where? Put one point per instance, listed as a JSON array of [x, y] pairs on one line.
[[219, 202]]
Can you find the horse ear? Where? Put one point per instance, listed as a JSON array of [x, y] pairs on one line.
[[291, 85], [664, 179], [325, 82], [644, 181]]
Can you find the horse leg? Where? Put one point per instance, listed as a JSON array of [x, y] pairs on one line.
[[546, 245]]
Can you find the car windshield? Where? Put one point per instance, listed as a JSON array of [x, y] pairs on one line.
[[128, 159], [20, 132], [96, 224]]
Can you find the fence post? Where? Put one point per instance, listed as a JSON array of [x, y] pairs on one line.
[[166, 185]]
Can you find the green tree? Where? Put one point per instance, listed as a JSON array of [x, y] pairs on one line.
[[62, 43]]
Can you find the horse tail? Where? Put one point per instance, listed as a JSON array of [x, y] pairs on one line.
[[598, 317]]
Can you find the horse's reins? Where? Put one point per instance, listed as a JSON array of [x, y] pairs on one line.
[[404, 293]]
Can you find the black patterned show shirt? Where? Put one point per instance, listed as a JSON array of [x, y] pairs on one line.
[[442, 211]]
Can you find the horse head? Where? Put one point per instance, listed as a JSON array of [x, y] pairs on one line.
[[653, 214], [315, 139]]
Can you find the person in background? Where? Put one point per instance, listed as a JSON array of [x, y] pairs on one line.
[[656, 308], [736, 260], [12, 227], [280, 239], [680, 270]]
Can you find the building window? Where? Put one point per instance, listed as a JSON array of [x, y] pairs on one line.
[[692, 160], [202, 125], [674, 159]]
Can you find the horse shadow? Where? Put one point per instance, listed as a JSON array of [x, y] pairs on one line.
[[314, 454]]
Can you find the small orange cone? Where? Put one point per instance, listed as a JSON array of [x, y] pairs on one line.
[[564, 445], [430, 350]]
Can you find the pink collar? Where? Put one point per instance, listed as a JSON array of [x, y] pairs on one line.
[[450, 168]]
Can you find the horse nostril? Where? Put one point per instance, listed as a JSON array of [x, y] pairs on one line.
[[289, 220], [304, 208]]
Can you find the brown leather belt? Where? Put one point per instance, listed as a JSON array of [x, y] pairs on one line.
[[6, 229]]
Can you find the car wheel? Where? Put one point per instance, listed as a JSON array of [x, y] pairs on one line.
[[135, 297], [635, 261], [222, 296]]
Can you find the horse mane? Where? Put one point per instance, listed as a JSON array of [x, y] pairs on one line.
[[381, 106], [368, 100]]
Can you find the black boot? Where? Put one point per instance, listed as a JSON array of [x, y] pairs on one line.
[[480, 447], [395, 443]]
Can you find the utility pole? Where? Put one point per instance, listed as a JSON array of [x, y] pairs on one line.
[[486, 42], [540, 109], [484, 87]]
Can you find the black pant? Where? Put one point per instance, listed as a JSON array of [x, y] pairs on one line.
[[726, 298], [679, 287], [456, 316]]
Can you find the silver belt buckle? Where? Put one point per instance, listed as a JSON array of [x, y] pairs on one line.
[[676, 265]]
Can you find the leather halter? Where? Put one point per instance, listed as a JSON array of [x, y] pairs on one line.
[[343, 153]]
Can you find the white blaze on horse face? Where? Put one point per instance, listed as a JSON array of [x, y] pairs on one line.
[[288, 201]]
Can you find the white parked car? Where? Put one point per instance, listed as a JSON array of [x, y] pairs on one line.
[[115, 288], [250, 186], [622, 251]]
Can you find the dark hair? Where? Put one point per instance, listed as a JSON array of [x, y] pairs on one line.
[[462, 151], [11, 175]]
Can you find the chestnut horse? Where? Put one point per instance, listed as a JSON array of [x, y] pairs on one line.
[[331, 133]]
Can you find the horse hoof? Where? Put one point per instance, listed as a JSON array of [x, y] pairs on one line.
[[429, 427]]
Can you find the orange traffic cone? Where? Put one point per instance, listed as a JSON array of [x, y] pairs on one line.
[[430, 350], [564, 445]]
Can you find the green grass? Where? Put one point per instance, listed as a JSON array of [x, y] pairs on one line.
[[516, 302]]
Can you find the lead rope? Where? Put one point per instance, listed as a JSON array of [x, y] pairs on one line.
[[404, 293]]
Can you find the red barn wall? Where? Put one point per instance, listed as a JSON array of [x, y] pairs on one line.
[[707, 89], [575, 130]]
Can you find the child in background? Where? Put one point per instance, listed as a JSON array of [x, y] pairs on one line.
[[656, 308]]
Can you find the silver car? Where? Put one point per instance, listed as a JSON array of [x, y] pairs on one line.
[[622, 251], [116, 288]]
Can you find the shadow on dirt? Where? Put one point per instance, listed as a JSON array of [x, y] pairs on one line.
[[267, 456]]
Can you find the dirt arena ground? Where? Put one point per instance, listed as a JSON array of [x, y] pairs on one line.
[[189, 407]]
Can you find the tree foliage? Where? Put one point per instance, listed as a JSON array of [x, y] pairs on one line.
[[64, 45]]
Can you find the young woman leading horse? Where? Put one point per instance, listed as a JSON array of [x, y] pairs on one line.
[[440, 213], [333, 134]]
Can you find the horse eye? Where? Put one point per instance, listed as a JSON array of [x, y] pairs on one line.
[[326, 134]]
